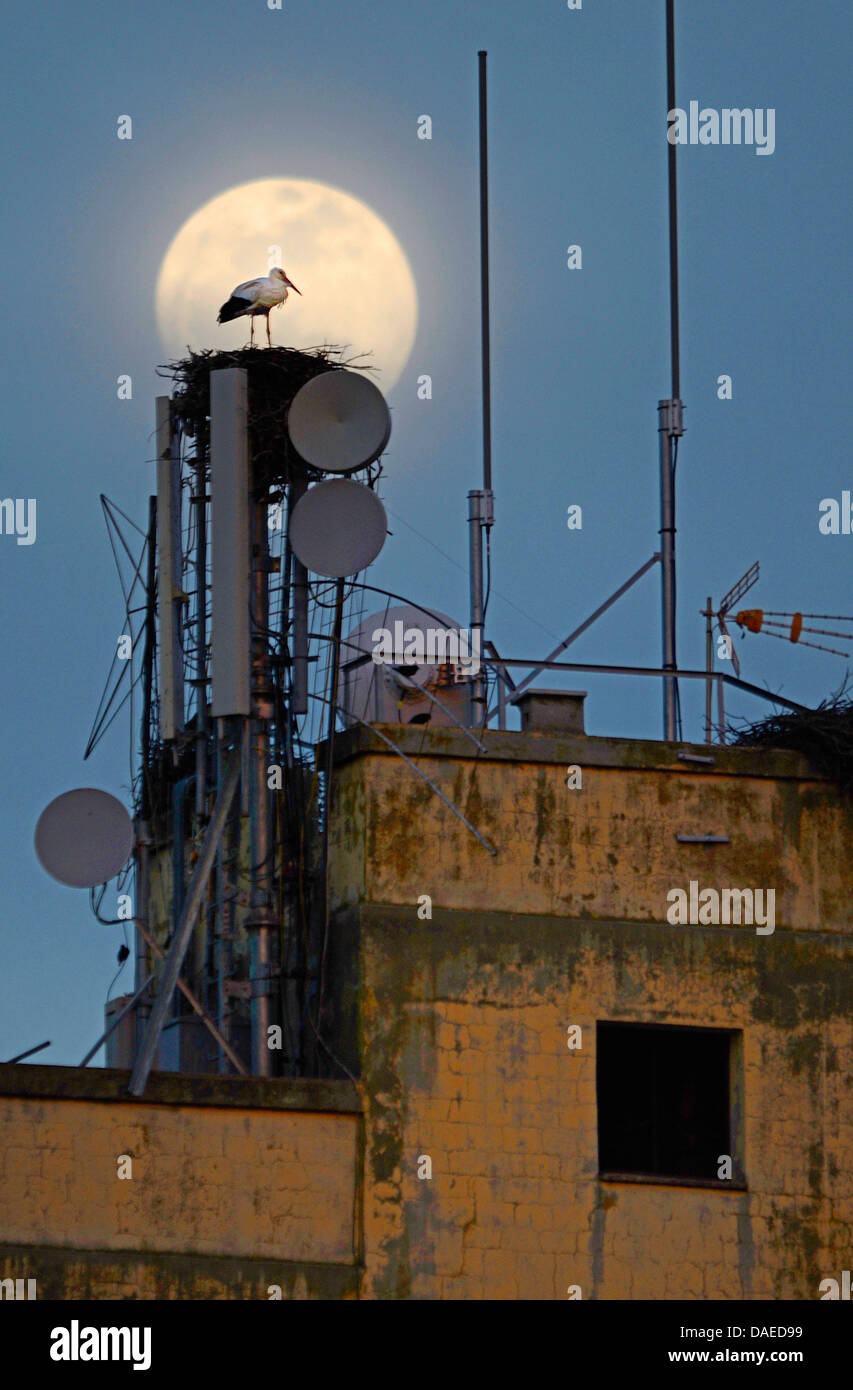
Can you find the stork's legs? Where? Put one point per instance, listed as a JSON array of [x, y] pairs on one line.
[[269, 339], [252, 330]]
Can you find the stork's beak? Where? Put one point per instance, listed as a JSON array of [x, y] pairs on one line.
[[291, 284]]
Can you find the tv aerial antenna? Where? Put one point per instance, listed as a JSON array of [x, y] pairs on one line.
[[728, 602], [735, 593]]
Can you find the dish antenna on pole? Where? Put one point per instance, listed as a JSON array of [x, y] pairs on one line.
[[338, 528], [83, 837], [339, 421]]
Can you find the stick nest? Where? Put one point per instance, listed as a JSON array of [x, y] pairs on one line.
[[823, 735], [274, 375]]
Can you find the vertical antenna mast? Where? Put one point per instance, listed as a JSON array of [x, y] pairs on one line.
[[670, 427], [484, 276], [481, 502], [673, 207]]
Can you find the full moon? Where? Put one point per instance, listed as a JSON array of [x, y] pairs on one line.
[[357, 289]]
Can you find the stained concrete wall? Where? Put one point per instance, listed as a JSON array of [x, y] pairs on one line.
[[606, 850], [459, 1023], [236, 1185]]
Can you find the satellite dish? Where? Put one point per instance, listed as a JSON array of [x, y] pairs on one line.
[[370, 691], [338, 528], [339, 421], [84, 837]]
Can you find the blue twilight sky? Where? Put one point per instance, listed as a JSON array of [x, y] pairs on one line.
[[223, 92]]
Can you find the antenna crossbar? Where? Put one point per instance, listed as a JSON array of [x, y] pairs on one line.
[[737, 590]]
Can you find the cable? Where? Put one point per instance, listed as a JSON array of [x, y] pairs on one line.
[[488, 571], [105, 921]]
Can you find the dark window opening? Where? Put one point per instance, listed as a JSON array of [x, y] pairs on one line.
[[663, 1100]]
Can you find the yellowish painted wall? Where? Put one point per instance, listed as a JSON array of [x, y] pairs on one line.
[[270, 1185], [70, 1274], [608, 850], [485, 1084], [458, 1025], [462, 1019]]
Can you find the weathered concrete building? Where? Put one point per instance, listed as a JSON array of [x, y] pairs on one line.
[[559, 1089]]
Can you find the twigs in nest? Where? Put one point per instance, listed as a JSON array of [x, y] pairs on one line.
[[823, 735], [275, 375]]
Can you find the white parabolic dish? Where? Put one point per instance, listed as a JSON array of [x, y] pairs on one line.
[[83, 837], [338, 528], [339, 421]]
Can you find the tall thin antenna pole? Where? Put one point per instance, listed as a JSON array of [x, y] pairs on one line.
[[485, 334], [670, 427], [673, 207], [481, 512]]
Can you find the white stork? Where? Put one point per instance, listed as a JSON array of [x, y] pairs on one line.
[[257, 297]]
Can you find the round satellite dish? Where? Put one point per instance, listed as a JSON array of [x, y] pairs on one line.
[[339, 421], [369, 691], [84, 837], [338, 528]]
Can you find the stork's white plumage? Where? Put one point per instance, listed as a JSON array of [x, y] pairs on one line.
[[257, 297]]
